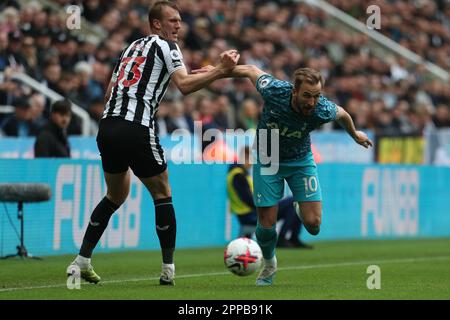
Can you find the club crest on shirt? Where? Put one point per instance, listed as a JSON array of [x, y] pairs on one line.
[[137, 46]]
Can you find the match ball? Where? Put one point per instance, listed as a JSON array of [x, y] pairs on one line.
[[243, 256]]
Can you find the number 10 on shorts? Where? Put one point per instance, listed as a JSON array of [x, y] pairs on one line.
[[310, 184]]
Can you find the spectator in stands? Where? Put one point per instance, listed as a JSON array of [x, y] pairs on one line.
[[177, 119], [68, 85], [95, 111], [248, 114], [6, 85], [93, 10], [442, 116], [207, 111], [29, 54], [52, 76], [20, 123], [385, 124], [84, 95], [15, 55], [44, 48], [9, 3], [10, 19], [100, 74], [52, 141], [69, 55], [240, 194], [161, 116], [37, 102], [224, 116], [4, 43]]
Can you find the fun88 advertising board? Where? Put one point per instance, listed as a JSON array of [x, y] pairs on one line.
[[360, 201], [57, 226]]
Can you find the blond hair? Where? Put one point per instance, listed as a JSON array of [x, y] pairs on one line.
[[309, 75]]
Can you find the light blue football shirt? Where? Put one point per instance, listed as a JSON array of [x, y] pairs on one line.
[[294, 128]]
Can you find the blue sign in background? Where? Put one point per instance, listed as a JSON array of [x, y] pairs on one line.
[[338, 147], [57, 226], [359, 201]]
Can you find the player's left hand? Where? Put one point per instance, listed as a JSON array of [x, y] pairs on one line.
[[362, 139]]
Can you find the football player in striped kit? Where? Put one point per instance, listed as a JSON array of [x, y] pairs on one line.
[[127, 138]]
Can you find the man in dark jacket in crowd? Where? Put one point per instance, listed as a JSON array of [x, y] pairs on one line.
[[19, 123], [52, 141]]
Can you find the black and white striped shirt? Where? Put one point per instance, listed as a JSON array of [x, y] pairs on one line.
[[141, 78]]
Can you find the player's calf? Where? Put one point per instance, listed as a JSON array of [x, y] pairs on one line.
[[313, 230], [312, 225]]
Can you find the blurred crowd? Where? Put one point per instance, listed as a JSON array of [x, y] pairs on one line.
[[420, 26], [388, 95]]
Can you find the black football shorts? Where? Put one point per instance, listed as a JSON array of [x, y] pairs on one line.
[[125, 144]]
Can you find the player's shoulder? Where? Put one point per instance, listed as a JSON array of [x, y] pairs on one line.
[[137, 44], [272, 88], [166, 43], [325, 102], [160, 41], [268, 80], [326, 109]]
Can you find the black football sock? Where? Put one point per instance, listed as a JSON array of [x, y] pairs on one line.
[[97, 225], [166, 227]]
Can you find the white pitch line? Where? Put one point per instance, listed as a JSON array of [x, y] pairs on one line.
[[304, 267]]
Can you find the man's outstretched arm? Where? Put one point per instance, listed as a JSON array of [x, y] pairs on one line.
[[247, 71], [188, 83], [241, 71], [345, 120]]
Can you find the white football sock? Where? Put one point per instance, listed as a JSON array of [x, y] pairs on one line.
[[82, 261], [271, 262], [171, 266]]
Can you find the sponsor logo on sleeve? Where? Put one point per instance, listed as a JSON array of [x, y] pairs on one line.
[[175, 55]]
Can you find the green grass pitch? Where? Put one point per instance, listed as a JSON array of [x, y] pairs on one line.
[[410, 269]]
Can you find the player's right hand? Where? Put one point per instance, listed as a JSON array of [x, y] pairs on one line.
[[228, 59], [362, 139]]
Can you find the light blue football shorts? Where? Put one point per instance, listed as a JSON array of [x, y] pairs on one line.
[[301, 176]]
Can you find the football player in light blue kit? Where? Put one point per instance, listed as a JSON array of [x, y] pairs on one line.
[[295, 110]]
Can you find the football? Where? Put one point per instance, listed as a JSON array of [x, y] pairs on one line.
[[243, 256]]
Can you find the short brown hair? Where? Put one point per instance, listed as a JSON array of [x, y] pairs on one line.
[[309, 75], [62, 106], [155, 11]]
